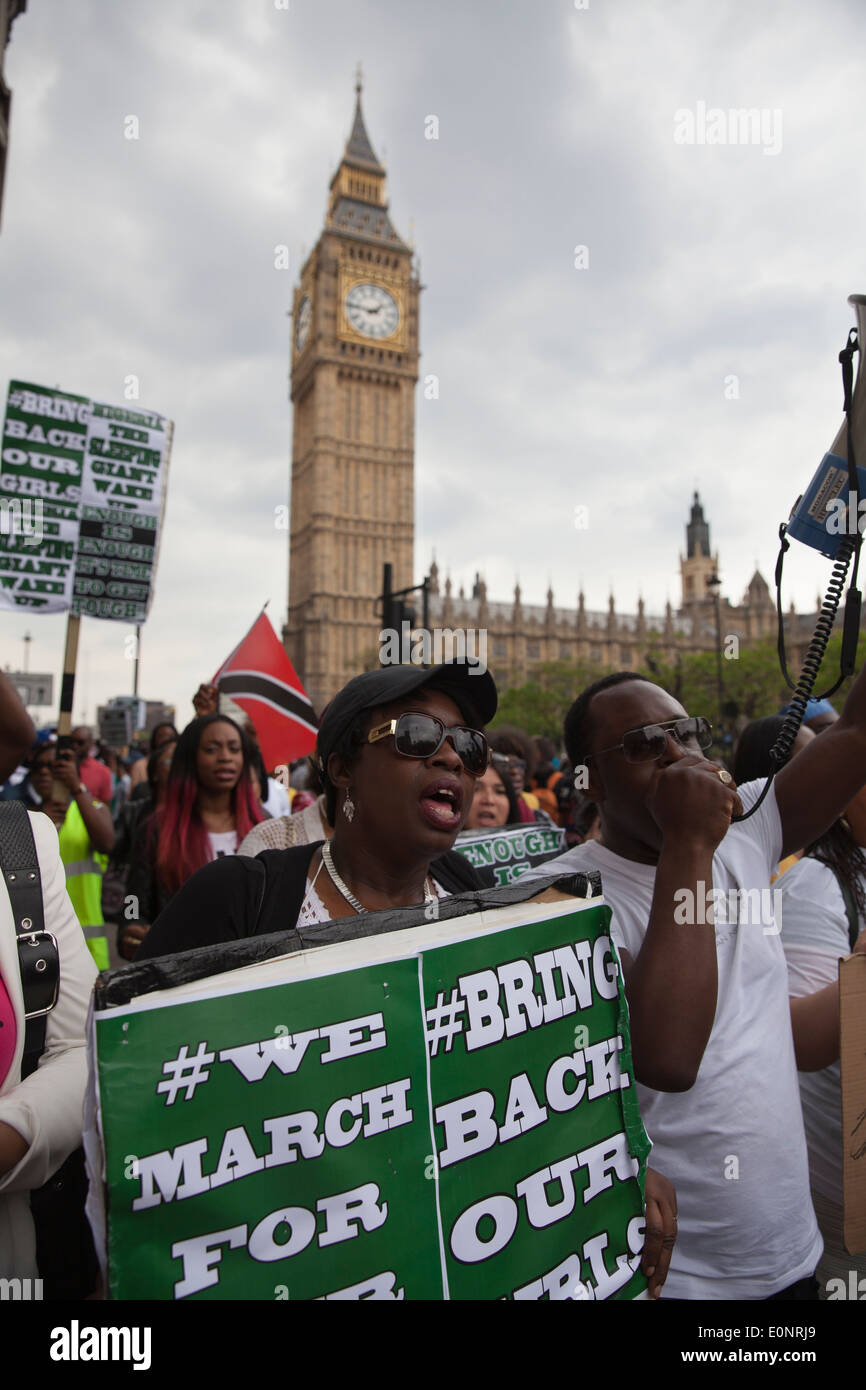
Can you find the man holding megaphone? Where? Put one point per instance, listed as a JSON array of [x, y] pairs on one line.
[[686, 859]]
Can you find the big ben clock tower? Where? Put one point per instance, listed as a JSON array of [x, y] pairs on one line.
[[354, 357]]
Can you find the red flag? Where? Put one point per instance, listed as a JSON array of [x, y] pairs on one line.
[[260, 678]]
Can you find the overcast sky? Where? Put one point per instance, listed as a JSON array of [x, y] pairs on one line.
[[605, 385]]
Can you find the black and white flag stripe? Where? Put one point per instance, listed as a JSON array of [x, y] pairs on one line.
[[252, 685]]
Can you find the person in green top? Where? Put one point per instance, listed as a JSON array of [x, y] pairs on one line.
[[86, 835]]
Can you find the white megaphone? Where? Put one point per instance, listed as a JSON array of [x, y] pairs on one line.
[[829, 509]]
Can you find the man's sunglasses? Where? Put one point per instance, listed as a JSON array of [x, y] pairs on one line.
[[422, 735], [649, 743]]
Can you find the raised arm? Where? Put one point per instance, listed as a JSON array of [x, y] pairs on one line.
[[671, 984], [815, 1023], [96, 816], [815, 787], [17, 734]]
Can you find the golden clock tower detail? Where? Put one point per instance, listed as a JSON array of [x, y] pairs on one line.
[[354, 358]]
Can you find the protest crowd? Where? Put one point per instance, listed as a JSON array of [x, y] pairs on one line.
[[193, 841]]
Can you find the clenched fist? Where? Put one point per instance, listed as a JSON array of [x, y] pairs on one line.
[[205, 700], [688, 799]]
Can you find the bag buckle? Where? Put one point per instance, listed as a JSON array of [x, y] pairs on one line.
[[40, 965]]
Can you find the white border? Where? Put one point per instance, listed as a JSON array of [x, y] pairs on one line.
[[351, 955]]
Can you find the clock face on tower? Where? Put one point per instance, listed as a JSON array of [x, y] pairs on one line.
[[302, 325], [372, 311]]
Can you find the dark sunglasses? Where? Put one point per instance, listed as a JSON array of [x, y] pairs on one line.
[[649, 743], [422, 735]]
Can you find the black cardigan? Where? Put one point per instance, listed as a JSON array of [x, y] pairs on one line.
[[237, 896]]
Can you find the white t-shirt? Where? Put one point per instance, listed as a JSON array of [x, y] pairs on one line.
[[733, 1145], [226, 842], [814, 937], [278, 803]]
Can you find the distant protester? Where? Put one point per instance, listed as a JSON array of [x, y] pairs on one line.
[[147, 797], [273, 798], [579, 816], [94, 774], [86, 836], [20, 787], [210, 806], [519, 749], [819, 715], [161, 734], [823, 917], [752, 753], [546, 777], [752, 760], [494, 802], [120, 783]]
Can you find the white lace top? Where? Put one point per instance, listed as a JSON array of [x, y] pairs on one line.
[[314, 910]]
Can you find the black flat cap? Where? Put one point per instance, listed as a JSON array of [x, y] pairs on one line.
[[461, 680]]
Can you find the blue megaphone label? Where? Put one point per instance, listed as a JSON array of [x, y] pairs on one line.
[[826, 512]]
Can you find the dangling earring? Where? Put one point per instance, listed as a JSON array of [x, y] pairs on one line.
[[348, 807]]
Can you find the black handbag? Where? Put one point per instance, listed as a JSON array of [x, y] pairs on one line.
[[65, 1254]]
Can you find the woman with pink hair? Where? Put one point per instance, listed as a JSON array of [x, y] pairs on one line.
[[210, 806]]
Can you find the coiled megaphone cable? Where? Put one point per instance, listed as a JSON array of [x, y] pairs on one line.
[[849, 548]]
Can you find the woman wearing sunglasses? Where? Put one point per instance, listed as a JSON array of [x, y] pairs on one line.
[[399, 751]]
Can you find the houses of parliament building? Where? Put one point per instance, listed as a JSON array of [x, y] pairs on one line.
[[354, 365]]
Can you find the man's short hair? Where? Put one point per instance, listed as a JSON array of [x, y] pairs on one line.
[[578, 722]]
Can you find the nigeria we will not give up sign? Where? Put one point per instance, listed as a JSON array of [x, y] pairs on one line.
[[441, 1111]]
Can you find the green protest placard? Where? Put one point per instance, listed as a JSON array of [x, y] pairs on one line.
[[37, 556], [123, 495], [441, 1112], [82, 495], [44, 434], [505, 855]]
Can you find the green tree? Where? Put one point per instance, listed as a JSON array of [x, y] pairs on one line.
[[751, 681], [752, 685], [828, 672], [540, 706]]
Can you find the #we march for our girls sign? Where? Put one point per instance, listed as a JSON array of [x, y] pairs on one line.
[[439, 1109]]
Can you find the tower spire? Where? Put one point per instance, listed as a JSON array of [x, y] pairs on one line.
[[359, 151], [357, 202], [697, 531]]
